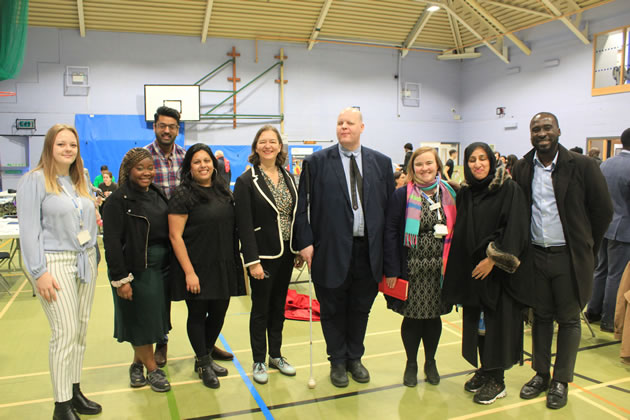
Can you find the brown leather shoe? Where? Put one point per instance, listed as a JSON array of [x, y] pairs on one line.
[[160, 354], [219, 354]]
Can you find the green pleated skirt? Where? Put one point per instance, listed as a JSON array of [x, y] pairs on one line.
[[144, 319]]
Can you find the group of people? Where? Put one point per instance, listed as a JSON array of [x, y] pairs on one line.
[[494, 245]]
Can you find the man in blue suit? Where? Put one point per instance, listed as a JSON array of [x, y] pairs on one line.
[[339, 231], [614, 253]]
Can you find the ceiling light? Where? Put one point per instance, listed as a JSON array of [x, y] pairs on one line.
[[433, 8]]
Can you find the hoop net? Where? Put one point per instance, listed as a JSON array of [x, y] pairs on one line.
[[7, 93]]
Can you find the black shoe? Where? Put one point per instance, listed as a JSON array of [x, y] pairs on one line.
[[410, 377], [65, 411], [534, 387], [475, 383], [206, 373], [338, 375], [160, 354], [557, 395], [490, 392], [157, 380], [605, 327], [81, 404], [358, 371], [136, 375], [220, 354], [431, 372], [218, 369], [591, 317]]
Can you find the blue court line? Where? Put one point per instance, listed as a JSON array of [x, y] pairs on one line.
[[248, 383]]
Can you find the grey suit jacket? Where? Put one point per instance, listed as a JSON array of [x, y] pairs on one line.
[[616, 170]]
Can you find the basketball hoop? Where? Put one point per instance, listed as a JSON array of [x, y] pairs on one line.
[[7, 93]]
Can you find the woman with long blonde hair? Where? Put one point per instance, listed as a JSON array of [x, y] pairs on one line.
[[58, 240]]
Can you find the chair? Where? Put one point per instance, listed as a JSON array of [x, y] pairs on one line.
[[3, 281]]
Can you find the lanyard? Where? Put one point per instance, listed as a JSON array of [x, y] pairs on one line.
[[432, 203], [78, 205]]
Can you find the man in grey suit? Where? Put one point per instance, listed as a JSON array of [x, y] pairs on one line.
[[614, 253], [339, 233]]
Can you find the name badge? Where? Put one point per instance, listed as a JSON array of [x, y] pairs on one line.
[[435, 206], [440, 230], [84, 237]]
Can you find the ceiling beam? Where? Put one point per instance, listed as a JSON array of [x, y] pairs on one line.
[[501, 53], [206, 21], [572, 25], [457, 37], [81, 18], [517, 8], [320, 22], [494, 21], [415, 32]]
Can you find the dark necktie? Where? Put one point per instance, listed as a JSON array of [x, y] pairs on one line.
[[356, 182]]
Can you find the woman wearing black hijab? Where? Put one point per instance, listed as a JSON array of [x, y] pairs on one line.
[[487, 273]]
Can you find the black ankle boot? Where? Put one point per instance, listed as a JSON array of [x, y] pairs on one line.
[[207, 375], [410, 377], [65, 411], [82, 404], [431, 372]]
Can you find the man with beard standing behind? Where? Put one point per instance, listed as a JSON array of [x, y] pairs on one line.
[[167, 159], [570, 212], [342, 240]]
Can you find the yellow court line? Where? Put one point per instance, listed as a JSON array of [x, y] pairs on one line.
[[601, 407], [179, 383], [15, 295]]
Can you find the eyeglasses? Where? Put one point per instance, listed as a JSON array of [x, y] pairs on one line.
[[163, 126]]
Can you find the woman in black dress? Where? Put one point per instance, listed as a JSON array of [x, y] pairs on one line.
[[135, 235], [266, 200], [204, 272], [488, 270], [418, 228]]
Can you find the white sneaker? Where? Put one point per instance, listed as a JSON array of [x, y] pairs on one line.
[[282, 365], [260, 373]]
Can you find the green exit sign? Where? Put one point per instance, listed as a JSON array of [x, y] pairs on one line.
[[25, 124]]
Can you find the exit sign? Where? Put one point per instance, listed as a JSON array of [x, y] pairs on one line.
[[25, 124]]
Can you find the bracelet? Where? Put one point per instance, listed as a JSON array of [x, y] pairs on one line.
[[118, 283]]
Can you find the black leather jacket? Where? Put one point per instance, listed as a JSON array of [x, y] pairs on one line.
[[125, 233]]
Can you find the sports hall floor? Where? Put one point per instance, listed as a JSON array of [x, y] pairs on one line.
[[601, 388]]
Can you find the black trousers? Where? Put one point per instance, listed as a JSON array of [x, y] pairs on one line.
[[344, 311], [205, 320], [556, 298], [268, 301]]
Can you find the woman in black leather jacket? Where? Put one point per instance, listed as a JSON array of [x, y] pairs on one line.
[[135, 235]]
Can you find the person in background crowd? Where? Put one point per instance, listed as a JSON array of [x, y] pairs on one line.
[[400, 179], [266, 200], [206, 266], [340, 236], [408, 151], [58, 243], [497, 158], [510, 162], [135, 235], [450, 164], [108, 186], [99, 178], [577, 150], [224, 168], [168, 158], [570, 212], [614, 253], [594, 153], [418, 229], [485, 273]]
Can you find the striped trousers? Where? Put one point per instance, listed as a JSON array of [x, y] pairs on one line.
[[68, 318]]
